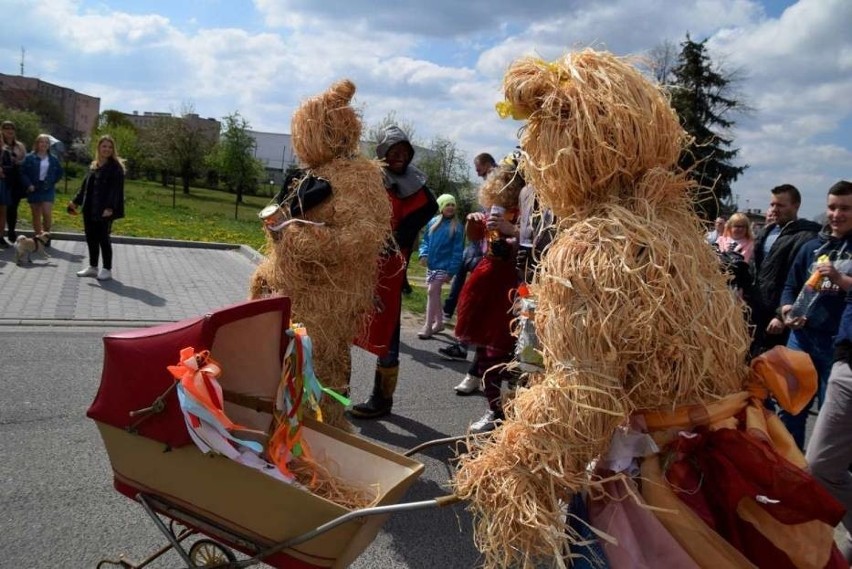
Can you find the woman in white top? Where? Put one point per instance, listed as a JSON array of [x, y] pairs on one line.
[[40, 172]]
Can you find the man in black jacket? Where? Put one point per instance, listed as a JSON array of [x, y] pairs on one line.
[[774, 251]]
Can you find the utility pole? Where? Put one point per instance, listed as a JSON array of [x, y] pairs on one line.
[[23, 53]]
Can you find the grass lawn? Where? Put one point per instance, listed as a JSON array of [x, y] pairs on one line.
[[152, 210], [203, 215]]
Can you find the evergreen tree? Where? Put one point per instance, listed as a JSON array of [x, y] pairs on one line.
[[701, 96]]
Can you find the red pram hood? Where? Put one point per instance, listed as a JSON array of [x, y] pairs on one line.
[[135, 375]]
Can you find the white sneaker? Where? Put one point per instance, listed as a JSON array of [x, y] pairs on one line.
[[468, 385], [90, 272], [104, 275], [486, 423]]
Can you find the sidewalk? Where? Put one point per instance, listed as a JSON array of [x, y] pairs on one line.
[[154, 280]]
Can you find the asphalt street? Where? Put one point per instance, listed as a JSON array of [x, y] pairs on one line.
[[57, 504]]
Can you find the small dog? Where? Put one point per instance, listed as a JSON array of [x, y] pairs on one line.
[[26, 246]]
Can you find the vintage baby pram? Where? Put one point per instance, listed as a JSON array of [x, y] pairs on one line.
[[155, 461]]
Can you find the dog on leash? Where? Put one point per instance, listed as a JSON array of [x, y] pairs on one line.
[[25, 247]]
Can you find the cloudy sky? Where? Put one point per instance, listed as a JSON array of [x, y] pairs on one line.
[[439, 64]]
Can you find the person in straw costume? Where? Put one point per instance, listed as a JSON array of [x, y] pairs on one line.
[[641, 341], [326, 255]]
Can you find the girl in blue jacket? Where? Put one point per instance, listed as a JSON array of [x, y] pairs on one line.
[[441, 253], [40, 172]]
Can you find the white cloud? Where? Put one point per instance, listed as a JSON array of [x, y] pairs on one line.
[[799, 80], [440, 64]]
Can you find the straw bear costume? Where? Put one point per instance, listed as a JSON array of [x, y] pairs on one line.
[[326, 256], [645, 352]]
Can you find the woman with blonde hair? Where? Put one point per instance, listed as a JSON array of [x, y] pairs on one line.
[[738, 237], [102, 198], [40, 172]]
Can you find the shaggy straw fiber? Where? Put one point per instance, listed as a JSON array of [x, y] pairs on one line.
[[595, 124], [330, 271], [316, 476], [633, 311], [326, 127], [502, 187]]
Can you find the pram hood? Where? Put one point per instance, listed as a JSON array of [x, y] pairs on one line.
[[248, 339]]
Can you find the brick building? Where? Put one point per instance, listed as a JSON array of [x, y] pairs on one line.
[[66, 114]]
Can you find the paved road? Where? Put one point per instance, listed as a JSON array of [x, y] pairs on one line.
[[57, 505]]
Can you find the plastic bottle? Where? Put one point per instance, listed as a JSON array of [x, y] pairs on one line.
[[496, 210], [809, 293]]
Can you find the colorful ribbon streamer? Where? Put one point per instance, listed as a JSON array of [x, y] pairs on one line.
[[201, 401]]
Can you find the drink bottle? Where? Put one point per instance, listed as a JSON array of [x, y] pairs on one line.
[[809, 293]]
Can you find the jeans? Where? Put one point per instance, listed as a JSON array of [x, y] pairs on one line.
[[820, 347], [98, 240], [830, 448]]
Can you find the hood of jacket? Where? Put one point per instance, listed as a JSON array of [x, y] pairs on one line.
[[390, 136], [407, 183], [829, 242]]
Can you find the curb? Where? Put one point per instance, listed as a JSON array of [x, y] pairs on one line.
[[251, 254], [54, 323]]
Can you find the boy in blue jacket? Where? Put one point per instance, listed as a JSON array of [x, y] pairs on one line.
[[830, 255]]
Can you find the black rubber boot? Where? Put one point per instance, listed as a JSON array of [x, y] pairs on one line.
[[381, 400]]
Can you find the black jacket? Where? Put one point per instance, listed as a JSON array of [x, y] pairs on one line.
[[102, 189], [770, 272]]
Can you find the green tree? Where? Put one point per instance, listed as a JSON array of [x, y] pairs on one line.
[[177, 145], [28, 125], [126, 142], [702, 96], [111, 118], [233, 157], [447, 171]]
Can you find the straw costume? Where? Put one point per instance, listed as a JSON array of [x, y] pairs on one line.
[[326, 255], [644, 349]]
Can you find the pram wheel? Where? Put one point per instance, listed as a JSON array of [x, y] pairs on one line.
[[208, 553]]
